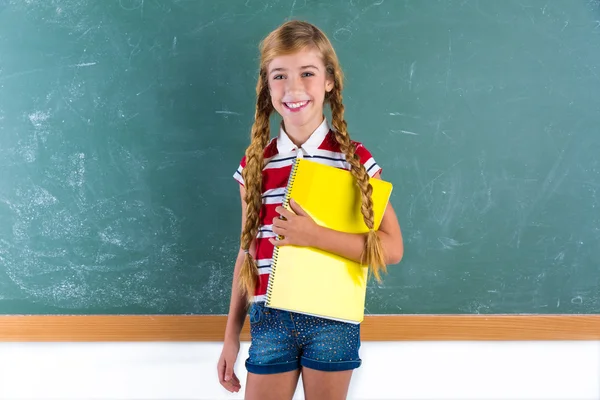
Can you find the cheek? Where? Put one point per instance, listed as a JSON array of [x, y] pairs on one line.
[[317, 89], [276, 89]]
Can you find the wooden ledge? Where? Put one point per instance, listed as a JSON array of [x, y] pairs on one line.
[[204, 328]]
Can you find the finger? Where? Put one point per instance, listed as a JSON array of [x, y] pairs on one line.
[[297, 209], [278, 243], [235, 381], [233, 386], [278, 230], [221, 370], [280, 223], [284, 212], [230, 382], [228, 372]]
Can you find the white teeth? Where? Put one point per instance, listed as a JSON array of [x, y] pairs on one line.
[[296, 105]]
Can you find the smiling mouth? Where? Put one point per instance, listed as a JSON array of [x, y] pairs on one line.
[[296, 106]]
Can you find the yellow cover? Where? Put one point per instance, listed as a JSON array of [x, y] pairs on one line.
[[311, 281]]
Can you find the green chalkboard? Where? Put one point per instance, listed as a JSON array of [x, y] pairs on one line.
[[122, 122]]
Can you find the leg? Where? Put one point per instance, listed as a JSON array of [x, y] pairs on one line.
[[329, 355], [273, 358], [271, 386], [321, 385]]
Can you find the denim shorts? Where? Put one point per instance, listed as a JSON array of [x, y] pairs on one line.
[[284, 341]]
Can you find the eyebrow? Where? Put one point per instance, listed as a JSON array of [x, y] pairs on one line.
[[302, 67]]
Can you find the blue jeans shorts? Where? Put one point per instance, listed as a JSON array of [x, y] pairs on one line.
[[284, 341]]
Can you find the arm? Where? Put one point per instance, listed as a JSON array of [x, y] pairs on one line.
[[351, 245], [299, 229], [238, 306]]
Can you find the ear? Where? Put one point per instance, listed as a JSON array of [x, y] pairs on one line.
[[329, 85]]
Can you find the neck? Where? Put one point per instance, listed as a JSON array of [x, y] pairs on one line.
[[300, 134]]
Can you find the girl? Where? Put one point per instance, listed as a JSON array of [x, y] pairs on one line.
[[299, 73]]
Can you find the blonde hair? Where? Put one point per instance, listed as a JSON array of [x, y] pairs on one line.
[[289, 38]]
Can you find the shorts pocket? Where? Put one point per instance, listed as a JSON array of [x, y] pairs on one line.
[[257, 314]]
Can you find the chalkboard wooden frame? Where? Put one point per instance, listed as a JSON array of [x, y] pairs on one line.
[[201, 328]]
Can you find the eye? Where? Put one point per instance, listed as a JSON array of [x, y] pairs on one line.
[[305, 74], [277, 77]]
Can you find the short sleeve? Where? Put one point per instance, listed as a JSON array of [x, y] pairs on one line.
[[367, 159], [238, 173]]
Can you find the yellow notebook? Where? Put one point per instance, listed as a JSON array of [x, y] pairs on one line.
[[311, 281]]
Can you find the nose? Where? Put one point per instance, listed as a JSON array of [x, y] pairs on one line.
[[295, 84]]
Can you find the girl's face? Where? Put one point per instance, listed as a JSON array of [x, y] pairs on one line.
[[297, 84]]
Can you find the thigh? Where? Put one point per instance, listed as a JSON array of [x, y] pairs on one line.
[[273, 348], [328, 345], [271, 387], [321, 385]]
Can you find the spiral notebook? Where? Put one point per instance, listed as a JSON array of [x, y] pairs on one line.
[[311, 281]]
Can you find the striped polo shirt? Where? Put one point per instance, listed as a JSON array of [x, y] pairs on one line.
[[279, 155]]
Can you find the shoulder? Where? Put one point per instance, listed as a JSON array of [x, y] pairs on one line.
[[366, 158], [360, 149], [269, 151], [364, 155]]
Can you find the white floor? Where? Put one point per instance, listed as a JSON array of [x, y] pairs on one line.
[[391, 370]]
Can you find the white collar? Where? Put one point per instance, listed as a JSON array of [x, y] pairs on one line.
[[285, 144]]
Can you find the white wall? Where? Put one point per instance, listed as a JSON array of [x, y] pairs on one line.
[[398, 370]]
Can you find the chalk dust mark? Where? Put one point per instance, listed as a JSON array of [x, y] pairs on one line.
[[38, 117], [89, 64], [449, 70], [449, 243], [77, 174], [346, 27], [138, 6], [577, 300], [430, 184], [405, 132], [202, 27], [399, 114], [342, 34], [145, 90], [132, 117], [70, 107], [412, 72], [227, 112], [22, 73], [85, 33], [549, 187]]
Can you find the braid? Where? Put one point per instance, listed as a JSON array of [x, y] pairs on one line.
[[373, 252], [252, 174]]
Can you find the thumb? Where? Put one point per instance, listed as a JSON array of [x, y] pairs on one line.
[[228, 371], [297, 209]]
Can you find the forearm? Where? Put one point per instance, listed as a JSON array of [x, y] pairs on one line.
[[238, 305], [352, 245]]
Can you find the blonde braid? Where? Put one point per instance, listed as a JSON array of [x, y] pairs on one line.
[[373, 252], [252, 174]]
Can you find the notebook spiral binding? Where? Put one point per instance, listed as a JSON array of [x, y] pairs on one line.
[[286, 203]]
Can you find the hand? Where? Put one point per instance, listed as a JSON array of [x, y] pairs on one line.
[[298, 228], [227, 377]]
